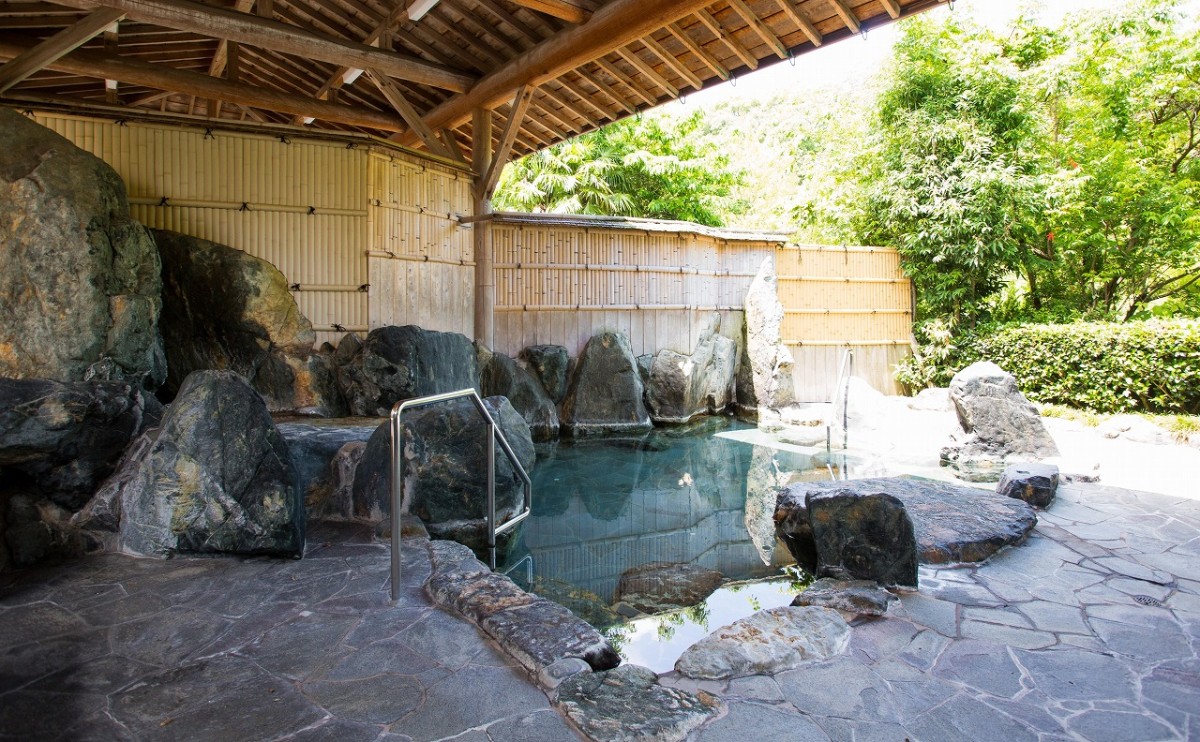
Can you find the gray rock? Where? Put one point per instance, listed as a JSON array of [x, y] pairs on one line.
[[952, 523], [605, 395], [933, 399], [764, 377], [398, 363], [33, 531], [325, 457], [215, 476], [851, 596], [226, 309], [863, 536], [1036, 484], [999, 425], [628, 704], [79, 279], [445, 453], [766, 643], [555, 673], [662, 586], [542, 632], [502, 376], [684, 386], [549, 364], [67, 437]]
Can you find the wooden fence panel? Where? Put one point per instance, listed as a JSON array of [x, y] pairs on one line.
[[840, 298]]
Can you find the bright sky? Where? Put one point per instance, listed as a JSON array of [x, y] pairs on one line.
[[852, 60]]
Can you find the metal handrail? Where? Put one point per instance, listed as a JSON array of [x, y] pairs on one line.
[[397, 485], [845, 371]]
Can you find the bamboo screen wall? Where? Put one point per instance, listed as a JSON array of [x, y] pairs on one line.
[[421, 258], [836, 298], [326, 213], [562, 280]]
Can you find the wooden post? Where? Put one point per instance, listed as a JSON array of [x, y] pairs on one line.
[[485, 278]]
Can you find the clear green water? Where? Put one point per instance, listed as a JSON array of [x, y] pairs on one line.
[[702, 495]]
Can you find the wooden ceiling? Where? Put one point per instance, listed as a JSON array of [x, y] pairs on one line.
[[410, 71]]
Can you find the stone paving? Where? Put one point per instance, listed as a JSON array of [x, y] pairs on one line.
[[113, 647], [1088, 630]]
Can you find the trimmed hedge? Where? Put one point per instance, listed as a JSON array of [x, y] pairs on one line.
[[1107, 367]]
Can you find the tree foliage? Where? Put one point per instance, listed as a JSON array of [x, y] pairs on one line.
[[638, 166], [1046, 173]]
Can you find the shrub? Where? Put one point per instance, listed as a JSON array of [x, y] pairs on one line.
[[1107, 367]]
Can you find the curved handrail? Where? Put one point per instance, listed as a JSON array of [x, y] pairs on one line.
[[397, 471]]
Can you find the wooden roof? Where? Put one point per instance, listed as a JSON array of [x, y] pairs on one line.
[[411, 71]]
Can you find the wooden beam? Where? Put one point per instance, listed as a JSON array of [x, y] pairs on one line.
[[569, 104], [847, 15], [701, 53], [669, 60], [108, 66], [485, 279], [516, 115], [409, 114], [805, 25], [892, 8], [558, 8], [112, 44], [584, 96], [382, 30], [762, 29], [614, 25], [206, 20], [55, 47], [217, 67], [451, 142], [735, 46], [644, 67]]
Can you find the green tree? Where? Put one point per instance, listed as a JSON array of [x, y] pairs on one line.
[[1125, 138], [635, 167]]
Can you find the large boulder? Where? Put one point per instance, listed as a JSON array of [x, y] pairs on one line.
[[502, 376], [605, 394], [999, 426], [215, 476], [79, 279], [445, 465], [862, 536], [682, 386], [65, 438], [764, 377], [226, 309], [549, 363], [398, 363]]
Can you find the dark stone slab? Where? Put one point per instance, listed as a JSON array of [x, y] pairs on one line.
[[628, 703], [863, 535], [952, 523], [1036, 484]]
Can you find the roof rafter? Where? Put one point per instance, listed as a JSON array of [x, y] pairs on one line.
[[56, 46], [270, 34]]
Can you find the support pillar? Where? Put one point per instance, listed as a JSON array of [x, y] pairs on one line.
[[485, 278]]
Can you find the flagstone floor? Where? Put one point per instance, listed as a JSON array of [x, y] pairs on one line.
[[1089, 630]]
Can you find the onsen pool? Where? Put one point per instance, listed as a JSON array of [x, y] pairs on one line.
[[703, 494]]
